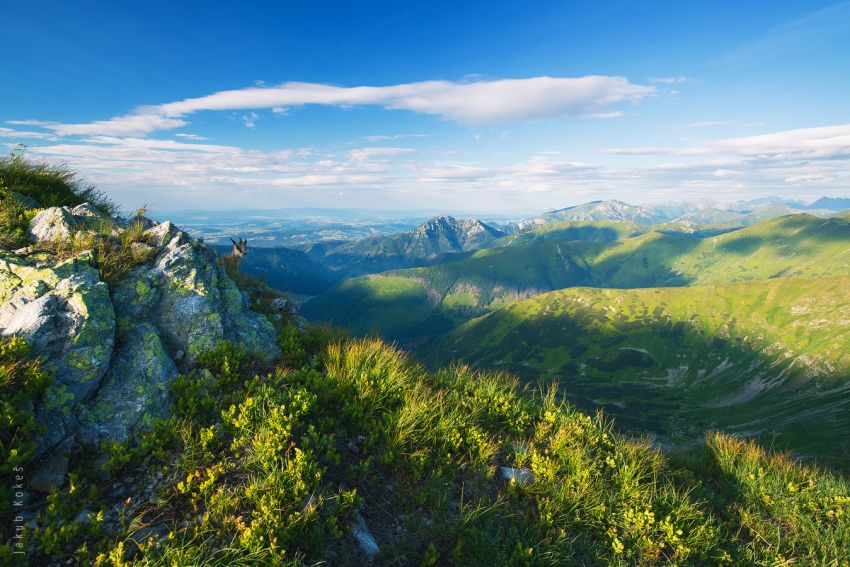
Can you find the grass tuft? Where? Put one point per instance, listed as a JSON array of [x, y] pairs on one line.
[[50, 185]]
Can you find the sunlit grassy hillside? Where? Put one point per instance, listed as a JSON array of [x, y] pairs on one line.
[[754, 357], [437, 298], [290, 467]]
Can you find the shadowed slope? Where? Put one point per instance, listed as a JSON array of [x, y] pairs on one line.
[[468, 285], [753, 358]]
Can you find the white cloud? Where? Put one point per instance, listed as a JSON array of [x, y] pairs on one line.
[[194, 137], [603, 115], [804, 143], [142, 122], [152, 144], [250, 119], [385, 137], [362, 154], [478, 102], [10, 133], [29, 122], [668, 80], [174, 174]]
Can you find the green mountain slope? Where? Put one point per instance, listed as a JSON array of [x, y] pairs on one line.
[[463, 286], [754, 358], [589, 231]]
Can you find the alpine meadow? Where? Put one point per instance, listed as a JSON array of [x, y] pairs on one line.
[[403, 284]]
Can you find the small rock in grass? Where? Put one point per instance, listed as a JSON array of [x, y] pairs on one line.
[[145, 222], [519, 476], [83, 516], [86, 211], [364, 538], [51, 472]]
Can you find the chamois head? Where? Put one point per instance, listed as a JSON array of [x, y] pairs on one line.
[[240, 248]]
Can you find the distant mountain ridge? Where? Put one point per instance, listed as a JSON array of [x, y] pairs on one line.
[[462, 286], [831, 203], [417, 247], [742, 213], [439, 239], [612, 210]]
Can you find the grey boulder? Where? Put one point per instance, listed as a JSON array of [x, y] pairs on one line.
[[54, 223]]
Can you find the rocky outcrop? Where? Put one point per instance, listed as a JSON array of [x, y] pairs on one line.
[[86, 212], [52, 224], [113, 353], [134, 391], [189, 299], [64, 312]]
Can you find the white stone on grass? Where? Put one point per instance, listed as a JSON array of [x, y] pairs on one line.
[[519, 476], [364, 538]]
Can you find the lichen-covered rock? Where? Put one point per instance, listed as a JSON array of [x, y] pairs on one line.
[[114, 354], [141, 249], [52, 224], [134, 392], [192, 302], [50, 471], [64, 312], [161, 234], [87, 213]]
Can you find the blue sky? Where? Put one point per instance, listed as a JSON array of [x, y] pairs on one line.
[[405, 105]]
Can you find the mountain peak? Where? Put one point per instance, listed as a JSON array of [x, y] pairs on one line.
[[612, 209]]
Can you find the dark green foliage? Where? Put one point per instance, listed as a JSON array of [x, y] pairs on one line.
[[22, 381], [14, 220], [677, 362]]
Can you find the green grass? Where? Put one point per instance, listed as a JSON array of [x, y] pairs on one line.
[[386, 304], [770, 358], [589, 231], [14, 220], [54, 185], [795, 246], [115, 252], [273, 468], [50, 185]]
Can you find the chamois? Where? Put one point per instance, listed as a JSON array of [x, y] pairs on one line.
[[240, 250]]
